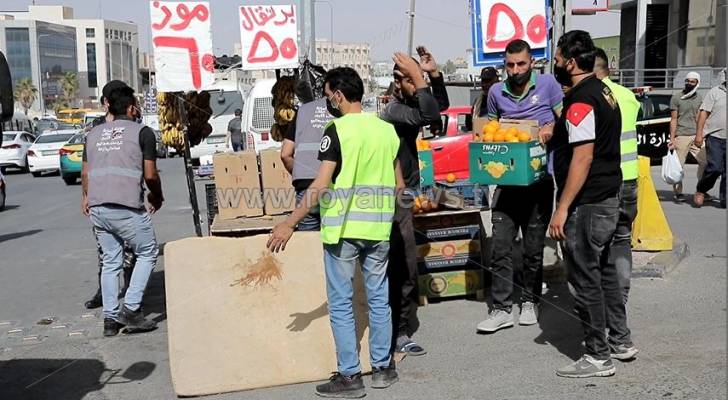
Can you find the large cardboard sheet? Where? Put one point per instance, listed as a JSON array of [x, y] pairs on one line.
[[229, 333]]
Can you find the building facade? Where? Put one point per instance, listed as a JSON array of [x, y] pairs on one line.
[[661, 39], [354, 55], [96, 50]]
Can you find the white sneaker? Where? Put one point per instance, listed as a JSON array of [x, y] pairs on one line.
[[497, 319], [528, 314]]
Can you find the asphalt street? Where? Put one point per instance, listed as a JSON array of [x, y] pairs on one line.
[[48, 269]]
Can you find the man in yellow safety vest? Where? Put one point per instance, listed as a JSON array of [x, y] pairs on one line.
[[620, 253], [356, 187]]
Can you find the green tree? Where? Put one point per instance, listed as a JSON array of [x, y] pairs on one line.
[[26, 93], [69, 84], [448, 68]]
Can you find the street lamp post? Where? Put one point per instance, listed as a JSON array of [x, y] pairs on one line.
[[331, 31]]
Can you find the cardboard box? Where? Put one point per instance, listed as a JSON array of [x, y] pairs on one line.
[[425, 222], [459, 232], [427, 168], [451, 283], [278, 194], [237, 185], [449, 254], [514, 164]]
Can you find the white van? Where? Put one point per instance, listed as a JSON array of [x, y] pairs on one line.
[[225, 98], [258, 116]]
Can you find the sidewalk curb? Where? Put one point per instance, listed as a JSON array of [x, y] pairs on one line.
[[658, 266], [662, 263]]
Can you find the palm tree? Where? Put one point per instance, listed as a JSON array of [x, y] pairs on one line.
[[69, 84], [26, 93]]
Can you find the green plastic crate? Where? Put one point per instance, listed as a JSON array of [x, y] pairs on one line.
[[427, 169], [509, 164]]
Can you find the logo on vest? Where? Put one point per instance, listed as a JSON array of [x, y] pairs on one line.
[[325, 143]]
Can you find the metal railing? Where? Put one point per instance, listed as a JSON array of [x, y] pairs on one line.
[[665, 78]]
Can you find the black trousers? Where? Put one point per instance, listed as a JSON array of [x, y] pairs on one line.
[[402, 273], [715, 153], [590, 230], [529, 209]]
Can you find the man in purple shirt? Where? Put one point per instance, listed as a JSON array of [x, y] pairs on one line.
[[524, 95]]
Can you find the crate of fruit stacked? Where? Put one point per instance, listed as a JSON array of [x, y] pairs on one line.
[[506, 152]]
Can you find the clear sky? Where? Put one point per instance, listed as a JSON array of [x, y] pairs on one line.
[[442, 25]]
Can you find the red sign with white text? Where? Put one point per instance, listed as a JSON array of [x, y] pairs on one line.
[[182, 40], [268, 35], [505, 21]]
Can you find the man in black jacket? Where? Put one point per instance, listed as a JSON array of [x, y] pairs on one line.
[[413, 106]]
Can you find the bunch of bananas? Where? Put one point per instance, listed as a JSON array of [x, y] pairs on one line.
[[198, 111], [197, 106], [169, 120], [283, 106]]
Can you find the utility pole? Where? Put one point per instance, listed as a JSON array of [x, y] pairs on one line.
[[410, 44], [308, 30]]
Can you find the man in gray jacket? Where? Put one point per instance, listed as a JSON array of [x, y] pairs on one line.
[[118, 158], [413, 107]]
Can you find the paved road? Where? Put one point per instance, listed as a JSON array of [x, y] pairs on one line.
[[48, 269]]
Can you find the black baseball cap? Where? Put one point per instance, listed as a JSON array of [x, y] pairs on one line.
[[488, 74], [106, 91]]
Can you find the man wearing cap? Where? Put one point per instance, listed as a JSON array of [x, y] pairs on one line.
[[129, 257], [684, 109], [712, 128], [488, 78]]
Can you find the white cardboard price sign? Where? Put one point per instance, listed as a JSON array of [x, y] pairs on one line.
[[269, 37], [182, 40], [504, 21]]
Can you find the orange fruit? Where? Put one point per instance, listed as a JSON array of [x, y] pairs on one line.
[[499, 136], [451, 178], [490, 129], [512, 131], [512, 139], [488, 137], [524, 136]]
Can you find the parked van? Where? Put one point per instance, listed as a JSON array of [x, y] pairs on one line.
[[258, 116], [72, 115]]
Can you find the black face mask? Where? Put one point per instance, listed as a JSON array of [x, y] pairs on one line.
[[688, 88], [563, 77], [519, 79], [335, 112]]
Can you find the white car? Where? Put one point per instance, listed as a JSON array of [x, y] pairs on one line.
[[43, 154], [15, 148], [211, 145]]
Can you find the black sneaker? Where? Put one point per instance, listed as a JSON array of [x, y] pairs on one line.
[[384, 377], [135, 321], [341, 386], [95, 302], [111, 327]]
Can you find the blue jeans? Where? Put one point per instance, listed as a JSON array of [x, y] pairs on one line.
[[340, 260], [312, 220], [116, 225], [238, 146]]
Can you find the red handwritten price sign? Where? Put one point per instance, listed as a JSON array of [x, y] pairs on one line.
[[505, 21], [182, 39], [268, 35]]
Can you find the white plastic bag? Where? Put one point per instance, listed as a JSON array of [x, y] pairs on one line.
[[672, 170]]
